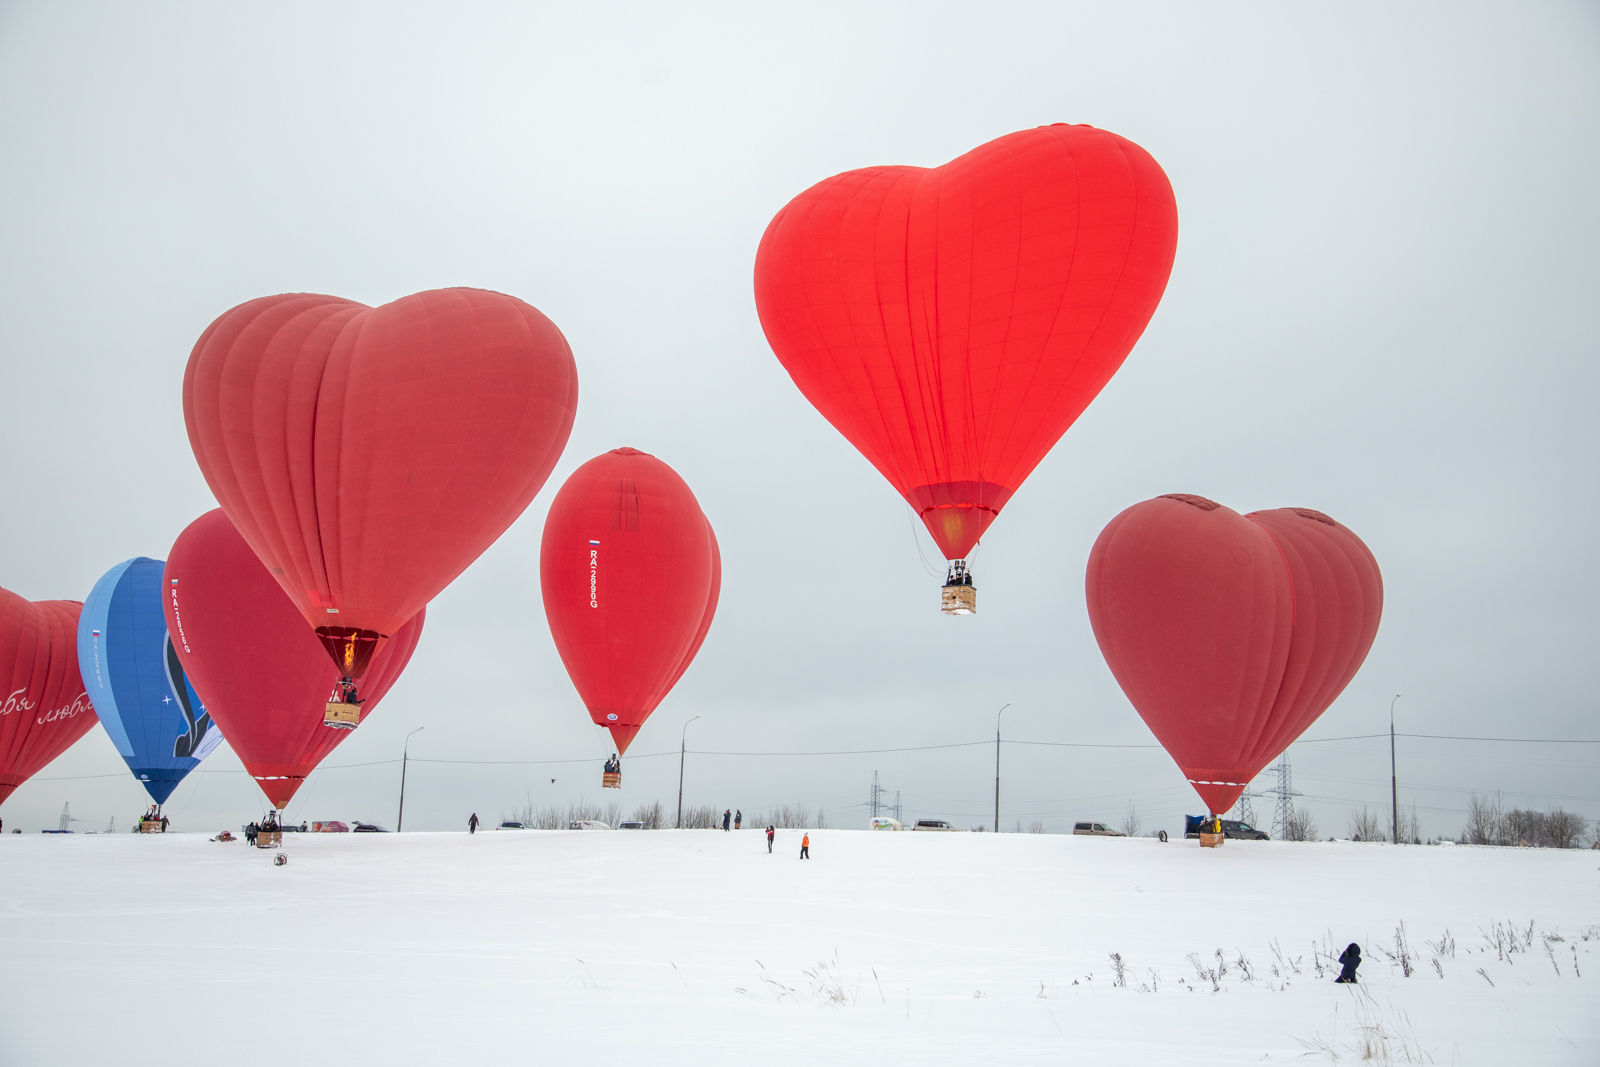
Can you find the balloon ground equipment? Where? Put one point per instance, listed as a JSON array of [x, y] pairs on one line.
[[959, 596]]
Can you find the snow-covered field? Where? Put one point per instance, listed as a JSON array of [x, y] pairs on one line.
[[698, 947]]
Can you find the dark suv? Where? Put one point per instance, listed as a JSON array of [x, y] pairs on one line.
[[1232, 829]]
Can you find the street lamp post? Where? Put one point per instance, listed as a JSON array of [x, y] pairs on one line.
[[405, 754], [997, 715], [683, 742], [1394, 787]]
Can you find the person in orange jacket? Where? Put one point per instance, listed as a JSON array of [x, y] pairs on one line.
[[805, 847]]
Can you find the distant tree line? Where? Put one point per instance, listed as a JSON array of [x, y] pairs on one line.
[[1490, 823]]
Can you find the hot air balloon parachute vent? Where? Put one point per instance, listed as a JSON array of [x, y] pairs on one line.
[[960, 596], [1307, 513], [1193, 501], [342, 716]]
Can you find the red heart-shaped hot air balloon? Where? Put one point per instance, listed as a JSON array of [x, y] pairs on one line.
[[369, 455], [952, 322], [630, 573], [262, 675], [1230, 633], [44, 707]]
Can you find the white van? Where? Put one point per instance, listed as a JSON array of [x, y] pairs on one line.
[[881, 822], [933, 824]]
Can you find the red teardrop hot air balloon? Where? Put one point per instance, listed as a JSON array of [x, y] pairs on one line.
[[630, 572], [369, 455], [1230, 633], [44, 707], [260, 672], [952, 322]]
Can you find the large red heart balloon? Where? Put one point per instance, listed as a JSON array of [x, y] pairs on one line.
[[1230, 633], [369, 455], [261, 674], [952, 322], [43, 705]]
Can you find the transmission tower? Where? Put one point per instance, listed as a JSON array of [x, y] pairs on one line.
[[1285, 793], [879, 802]]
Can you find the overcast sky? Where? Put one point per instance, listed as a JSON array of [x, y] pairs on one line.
[[1383, 307]]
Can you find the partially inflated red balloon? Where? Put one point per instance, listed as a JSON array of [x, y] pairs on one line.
[[630, 573], [953, 322], [1230, 633], [43, 705], [369, 455], [262, 675]]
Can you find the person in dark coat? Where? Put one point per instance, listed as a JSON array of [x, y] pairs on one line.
[[727, 818], [472, 824], [738, 817], [250, 833], [770, 832], [1351, 959]]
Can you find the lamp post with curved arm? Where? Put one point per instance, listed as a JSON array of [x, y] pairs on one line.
[[405, 754], [997, 715], [1394, 787], [683, 742]]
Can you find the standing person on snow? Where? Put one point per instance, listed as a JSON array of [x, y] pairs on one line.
[[727, 816], [1351, 958], [738, 817], [805, 847], [770, 832], [472, 824]]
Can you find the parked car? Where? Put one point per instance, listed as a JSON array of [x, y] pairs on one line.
[[587, 824], [1095, 829], [630, 826], [368, 828], [881, 822], [510, 825], [330, 826], [933, 824], [1232, 829]]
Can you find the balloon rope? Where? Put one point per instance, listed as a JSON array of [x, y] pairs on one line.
[[911, 516]]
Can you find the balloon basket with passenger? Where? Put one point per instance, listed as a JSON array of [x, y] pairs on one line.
[[611, 777], [343, 710], [959, 596]]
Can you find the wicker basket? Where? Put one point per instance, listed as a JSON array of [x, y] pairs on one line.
[[342, 716], [959, 600], [1212, 840], [149, 826], [611, 780], [269, 839]]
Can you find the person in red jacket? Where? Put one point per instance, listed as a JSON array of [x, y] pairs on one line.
[[805, 847], [770, 833]]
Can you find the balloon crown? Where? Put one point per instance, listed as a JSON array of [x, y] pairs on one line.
[[1193, 501]]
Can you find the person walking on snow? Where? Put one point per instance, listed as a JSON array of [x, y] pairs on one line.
[[738, 817], [805, 847], [472, 824], [1351, 959], [770, 832], [727, 817]]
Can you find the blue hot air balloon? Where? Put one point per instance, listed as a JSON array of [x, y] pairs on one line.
[[135, 681]]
